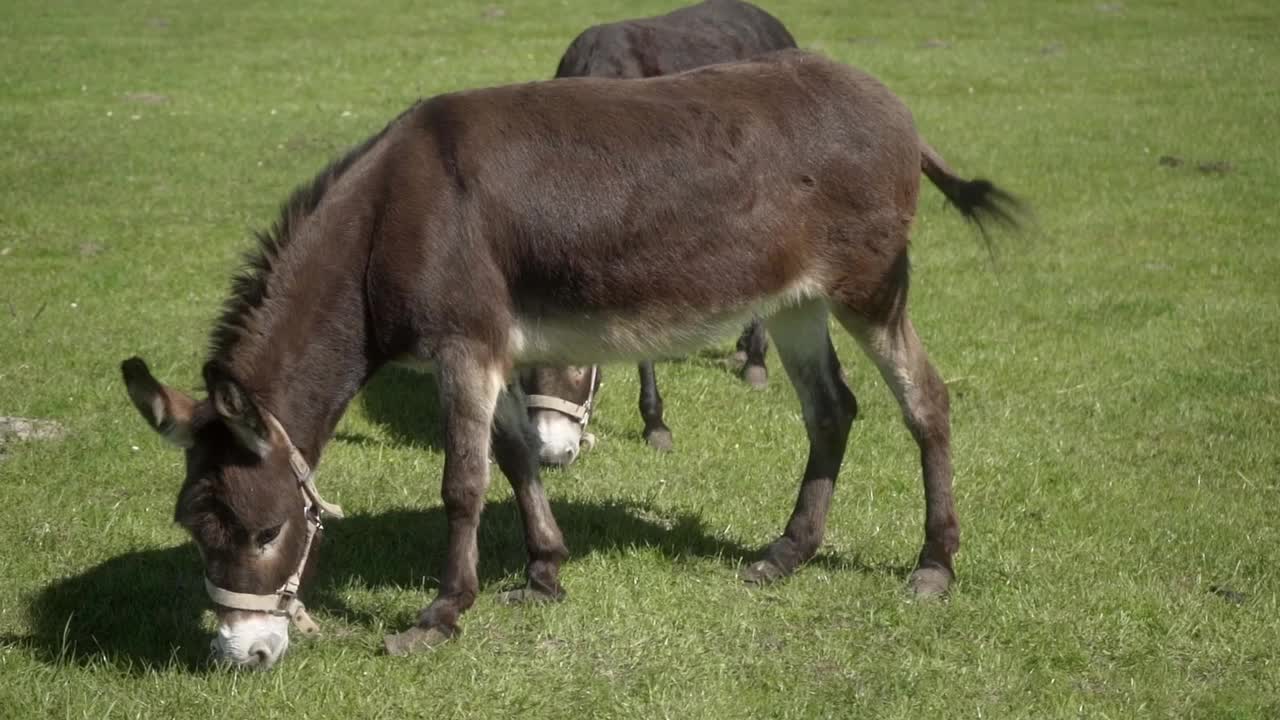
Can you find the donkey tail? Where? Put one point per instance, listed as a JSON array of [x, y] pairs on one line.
[[977, 200]]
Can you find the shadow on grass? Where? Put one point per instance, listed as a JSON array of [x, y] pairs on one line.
[[407, 403], [143, 610]]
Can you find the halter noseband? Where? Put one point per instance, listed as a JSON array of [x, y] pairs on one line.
[[581, 413], [284, 601]]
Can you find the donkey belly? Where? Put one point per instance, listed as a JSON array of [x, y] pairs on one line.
[[642, 333]]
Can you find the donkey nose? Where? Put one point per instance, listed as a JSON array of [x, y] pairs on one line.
[[561, 437], [260, 654], [559, 455]]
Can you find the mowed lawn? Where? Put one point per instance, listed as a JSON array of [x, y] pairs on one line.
[[1113, 372]]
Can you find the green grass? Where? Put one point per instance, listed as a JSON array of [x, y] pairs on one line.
[[1114, 381]]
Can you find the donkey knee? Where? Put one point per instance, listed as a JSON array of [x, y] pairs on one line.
[[463, 500]]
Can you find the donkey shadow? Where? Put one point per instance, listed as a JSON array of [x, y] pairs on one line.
[[407, 404], [145, 610]]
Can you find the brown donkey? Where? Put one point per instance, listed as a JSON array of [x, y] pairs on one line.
[[577, 220], [713, 31]]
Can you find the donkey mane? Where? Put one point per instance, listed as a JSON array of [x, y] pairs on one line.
[[249, 284]]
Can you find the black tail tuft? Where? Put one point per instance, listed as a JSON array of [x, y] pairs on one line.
[[981, 202]]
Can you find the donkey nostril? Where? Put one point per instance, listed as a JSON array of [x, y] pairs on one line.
[[560, 456], [259, 654]]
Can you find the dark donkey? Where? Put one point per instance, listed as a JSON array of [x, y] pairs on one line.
[[566, 220], [714, 31]]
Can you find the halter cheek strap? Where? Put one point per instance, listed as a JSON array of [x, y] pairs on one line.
[[284, 601]]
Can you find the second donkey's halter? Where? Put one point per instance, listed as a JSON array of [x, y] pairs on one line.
[[581, 413], [284, 601]]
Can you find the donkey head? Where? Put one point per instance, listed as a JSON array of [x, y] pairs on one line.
[[561, 400], [240, 500]]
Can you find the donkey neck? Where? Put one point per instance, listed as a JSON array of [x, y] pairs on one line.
[[304, 350]]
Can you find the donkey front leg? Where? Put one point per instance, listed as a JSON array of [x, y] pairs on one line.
[[804, 345], [515, 446], [469, 385]]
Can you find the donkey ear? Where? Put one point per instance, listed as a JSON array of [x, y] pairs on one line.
[[237, 410], [168, 411]]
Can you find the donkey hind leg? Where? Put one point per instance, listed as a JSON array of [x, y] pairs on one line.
[[896, 349], [469, 386], [804, 346], [656, 432], [752, 346], [515, 447]]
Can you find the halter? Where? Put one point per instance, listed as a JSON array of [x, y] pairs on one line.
[[284, 601], [581, 413]]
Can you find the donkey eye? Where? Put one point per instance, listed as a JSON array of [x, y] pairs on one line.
[[266, 536]]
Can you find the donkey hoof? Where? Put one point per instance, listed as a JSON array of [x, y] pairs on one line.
[[929, 582], [762, 572], [529, 596], [660, 439], [416, 639], [756, 376]]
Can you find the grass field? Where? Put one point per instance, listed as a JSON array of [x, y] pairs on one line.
[[1114, 379]]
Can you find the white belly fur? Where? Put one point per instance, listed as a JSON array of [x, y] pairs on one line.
[[613, 337], [605, 338]]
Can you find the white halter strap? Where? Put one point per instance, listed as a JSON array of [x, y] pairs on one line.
[[284, 601], [581, 413]]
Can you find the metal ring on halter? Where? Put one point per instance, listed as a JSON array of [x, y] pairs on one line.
[[284, 601], [581, 413]]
